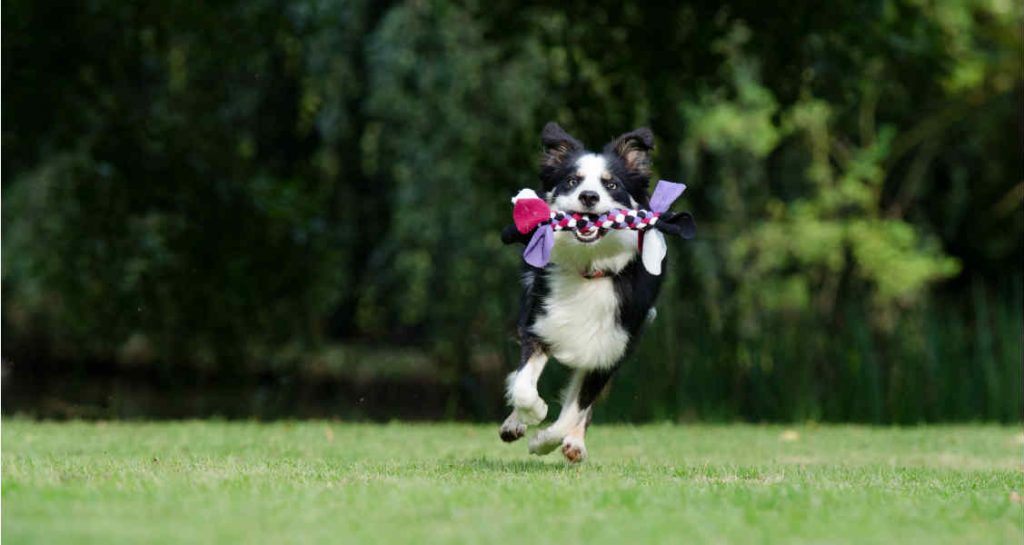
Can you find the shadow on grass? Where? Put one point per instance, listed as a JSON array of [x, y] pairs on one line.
[[511, 466]]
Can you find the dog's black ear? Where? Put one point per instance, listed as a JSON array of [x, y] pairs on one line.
[[634, 148], [558, 144]]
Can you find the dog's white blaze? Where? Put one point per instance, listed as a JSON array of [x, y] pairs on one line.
[[591, 167]]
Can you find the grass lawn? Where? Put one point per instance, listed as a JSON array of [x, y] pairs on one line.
[[323, 482]]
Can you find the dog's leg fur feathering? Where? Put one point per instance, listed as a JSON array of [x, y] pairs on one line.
[[521, 392]]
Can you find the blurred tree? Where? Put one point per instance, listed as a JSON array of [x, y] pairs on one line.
[[183, 193], [236, 187]]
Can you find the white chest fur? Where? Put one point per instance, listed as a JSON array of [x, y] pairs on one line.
[[579, 321]]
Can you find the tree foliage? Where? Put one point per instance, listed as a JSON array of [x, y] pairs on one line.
[[219, 186]]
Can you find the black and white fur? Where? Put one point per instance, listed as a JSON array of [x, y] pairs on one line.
[[586, 323]]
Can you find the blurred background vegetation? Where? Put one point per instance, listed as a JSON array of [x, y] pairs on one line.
[[290, 208]]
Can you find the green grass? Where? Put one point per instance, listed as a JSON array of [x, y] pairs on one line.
[[320, 482]]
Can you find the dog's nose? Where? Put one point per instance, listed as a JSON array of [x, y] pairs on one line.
[[589, 198]]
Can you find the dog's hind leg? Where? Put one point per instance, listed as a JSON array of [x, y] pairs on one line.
[[573, 447], [549, 438], [577, 406], [528, 407]]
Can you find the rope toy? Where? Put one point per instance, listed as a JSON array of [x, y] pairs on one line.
[[531, 213], [636, 219]]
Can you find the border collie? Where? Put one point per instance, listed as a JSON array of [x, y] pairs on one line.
[[588, 306]]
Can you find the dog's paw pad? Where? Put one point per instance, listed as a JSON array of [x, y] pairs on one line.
[[574, 451]]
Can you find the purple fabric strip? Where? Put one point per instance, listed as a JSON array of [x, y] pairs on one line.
[[538, 251], [665, 193]]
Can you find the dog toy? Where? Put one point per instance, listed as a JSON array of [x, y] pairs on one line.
[[531, 213]]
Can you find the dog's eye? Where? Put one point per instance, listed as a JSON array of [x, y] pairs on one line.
[[610, 185], [572, 181]]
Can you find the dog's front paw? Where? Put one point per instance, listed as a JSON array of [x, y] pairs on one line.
[[574, 450], [512, 429]]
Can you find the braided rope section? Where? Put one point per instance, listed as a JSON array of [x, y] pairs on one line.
[[636, 220]]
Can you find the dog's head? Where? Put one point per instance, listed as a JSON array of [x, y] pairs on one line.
[[577, 180]]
